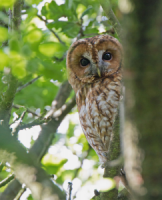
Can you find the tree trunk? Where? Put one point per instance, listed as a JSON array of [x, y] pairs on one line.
[[143, 52]]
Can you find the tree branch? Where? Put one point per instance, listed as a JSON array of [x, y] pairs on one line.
[[27, 110], [24, 164], [7, 100], [27, 84], [7, 180], [52, 31], [106, 5], [46, 135]]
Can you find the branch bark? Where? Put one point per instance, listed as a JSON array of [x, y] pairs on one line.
[[143, 41]]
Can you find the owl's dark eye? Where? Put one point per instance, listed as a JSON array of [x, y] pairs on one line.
[[107, 56], [84, 62]]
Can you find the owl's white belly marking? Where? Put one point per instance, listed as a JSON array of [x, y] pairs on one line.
[[98, 108]]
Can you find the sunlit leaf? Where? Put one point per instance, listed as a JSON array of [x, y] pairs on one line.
[[4, 60], [86, 11], [3, 34], [105, 184], [33, 1], [3, 17], [67, 174], [7, 3], [52, 48], [18, 64], [30, 197], [70, 131], [52, 163], [34, 36], [80, 9], [14, 44]]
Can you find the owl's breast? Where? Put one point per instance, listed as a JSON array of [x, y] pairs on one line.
[[97, 106]]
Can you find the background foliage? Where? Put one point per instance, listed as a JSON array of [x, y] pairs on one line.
[[34, 52]]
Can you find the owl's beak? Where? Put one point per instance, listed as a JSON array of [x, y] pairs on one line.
[[98, 72]]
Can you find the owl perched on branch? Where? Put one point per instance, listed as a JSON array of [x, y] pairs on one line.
[[94, 72]]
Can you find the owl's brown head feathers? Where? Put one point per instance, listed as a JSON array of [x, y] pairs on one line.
[[94, 58]]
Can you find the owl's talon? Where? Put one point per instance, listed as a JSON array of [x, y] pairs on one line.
[[105, 154], [105, 164]]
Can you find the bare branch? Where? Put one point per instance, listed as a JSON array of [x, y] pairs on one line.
[[21, 192], [69, 190], [46, 135], [27, 84], [33, 123], [1, 166], [52, 31], [17, 124], [60, 59], [27, 110], [25, 163], [60, 99], [7, 180]]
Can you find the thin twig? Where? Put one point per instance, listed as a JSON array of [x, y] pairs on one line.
[[60, 99], [52, 31], [7, 180], [21, 192], [1, 166], [27, 110], [69, 190], [60, 59], [34, 123], [17, 124], [27, 84]]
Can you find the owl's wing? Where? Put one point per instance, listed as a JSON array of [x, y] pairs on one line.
[[101, 105]]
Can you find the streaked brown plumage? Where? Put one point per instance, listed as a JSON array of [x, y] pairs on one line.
[[94, 71]]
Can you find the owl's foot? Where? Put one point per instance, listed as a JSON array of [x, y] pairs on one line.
[[105, 160], [105, 164], [112, 163]]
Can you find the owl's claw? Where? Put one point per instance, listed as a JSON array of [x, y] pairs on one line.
[[105, 154], [105, 164]]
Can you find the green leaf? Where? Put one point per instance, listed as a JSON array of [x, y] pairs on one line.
[[53, 70], [71, 29], [30, 2], [14, 44], [7, 4], [67, 174], [34, 36], [87, 11], [4, 60], [52, 163], [30, 197], [105, 184], [70, 131], [3, 34], [3, 17], [18, 64], [52, 48]]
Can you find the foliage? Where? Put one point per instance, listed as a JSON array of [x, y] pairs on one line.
[[38, 48]]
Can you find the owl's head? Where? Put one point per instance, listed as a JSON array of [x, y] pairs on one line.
[[94, 58]]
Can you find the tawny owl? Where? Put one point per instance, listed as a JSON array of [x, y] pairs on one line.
[[94, 72]]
